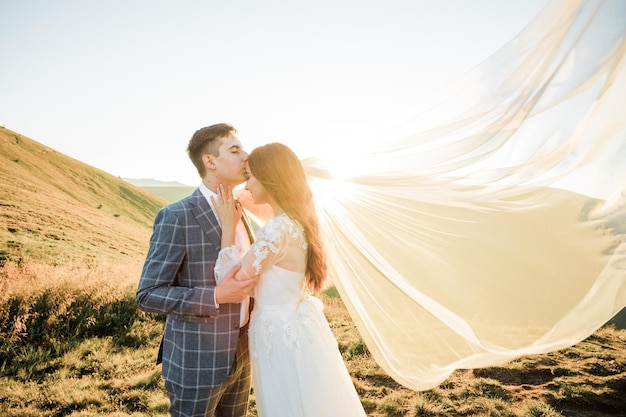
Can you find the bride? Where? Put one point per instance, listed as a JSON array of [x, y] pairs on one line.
[[297, 368]]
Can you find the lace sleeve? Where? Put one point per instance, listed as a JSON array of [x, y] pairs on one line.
[[226, 260], [270, 247], [267, 247]]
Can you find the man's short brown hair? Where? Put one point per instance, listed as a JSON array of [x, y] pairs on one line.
[[206, 141]]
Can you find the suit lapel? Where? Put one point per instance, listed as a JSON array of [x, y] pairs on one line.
[[204, 214]]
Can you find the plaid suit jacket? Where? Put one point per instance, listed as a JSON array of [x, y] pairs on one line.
[[177, 279]]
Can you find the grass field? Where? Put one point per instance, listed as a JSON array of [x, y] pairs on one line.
[[73, 343]]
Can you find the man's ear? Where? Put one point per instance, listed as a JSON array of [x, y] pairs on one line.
[[209, 161]]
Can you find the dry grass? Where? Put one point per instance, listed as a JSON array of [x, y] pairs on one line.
[[73, 343]]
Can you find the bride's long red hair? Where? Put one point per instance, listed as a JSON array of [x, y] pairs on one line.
[[280, 172]]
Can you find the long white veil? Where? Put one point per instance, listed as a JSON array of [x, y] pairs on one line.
[[460, 243]]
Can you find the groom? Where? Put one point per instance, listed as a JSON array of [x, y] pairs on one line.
[[206, 365]]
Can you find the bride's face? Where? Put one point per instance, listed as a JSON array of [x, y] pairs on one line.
[[257, 191]]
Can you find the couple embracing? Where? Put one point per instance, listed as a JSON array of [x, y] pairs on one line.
[[239, 308]]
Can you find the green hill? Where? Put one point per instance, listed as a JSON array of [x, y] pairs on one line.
[[54, 207], [167, 190]]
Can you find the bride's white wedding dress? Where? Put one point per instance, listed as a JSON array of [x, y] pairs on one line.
[[297, 368]]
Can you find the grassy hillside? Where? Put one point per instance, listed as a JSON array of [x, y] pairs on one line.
[[55, 207], [73, 343]]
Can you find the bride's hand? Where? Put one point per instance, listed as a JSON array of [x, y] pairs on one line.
[[227, 207]]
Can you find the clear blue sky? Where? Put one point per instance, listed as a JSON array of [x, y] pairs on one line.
[[122, 85]]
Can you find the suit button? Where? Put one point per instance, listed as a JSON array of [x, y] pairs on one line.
[[236, 326]]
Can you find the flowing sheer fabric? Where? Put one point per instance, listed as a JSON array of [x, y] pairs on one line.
[[462, 243]]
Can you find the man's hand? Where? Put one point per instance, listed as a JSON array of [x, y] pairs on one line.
[[231, 290]]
